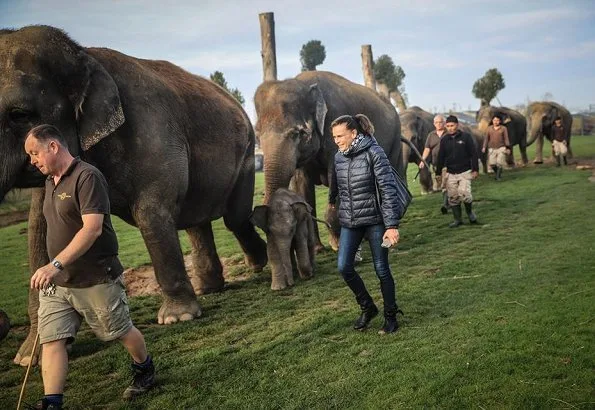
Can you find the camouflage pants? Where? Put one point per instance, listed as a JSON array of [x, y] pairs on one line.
[[458, 188], [560, 148], [497, 156]]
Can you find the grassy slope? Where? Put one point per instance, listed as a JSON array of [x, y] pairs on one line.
[[497, 316]]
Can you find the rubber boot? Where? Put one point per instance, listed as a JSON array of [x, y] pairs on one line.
[[458, 217], [498, 173], [495, 169], [444, 207], [565, 161], [557, 160], [470, 213]]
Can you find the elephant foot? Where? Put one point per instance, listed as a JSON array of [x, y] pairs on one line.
[[538, 162], [279, 286], [202, 287], [173, 311], [26, 355], [257, 265], [319, 248]]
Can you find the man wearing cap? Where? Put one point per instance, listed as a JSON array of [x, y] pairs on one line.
[[498, 146], [458, 155]]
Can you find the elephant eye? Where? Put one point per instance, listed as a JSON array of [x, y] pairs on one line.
[[19, 115]]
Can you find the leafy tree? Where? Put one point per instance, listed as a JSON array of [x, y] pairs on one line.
[[312, 54], [391, 76], [219, 78], [388, 73], [487, 87]]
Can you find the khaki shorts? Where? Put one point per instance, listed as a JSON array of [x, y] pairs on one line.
[[497, 156], [560, 148], [104, 307]]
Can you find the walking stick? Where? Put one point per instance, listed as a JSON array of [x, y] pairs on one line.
[[27, 373]]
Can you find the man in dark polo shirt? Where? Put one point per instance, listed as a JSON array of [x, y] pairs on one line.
[[431, 150], [83, 279], [459, 156]]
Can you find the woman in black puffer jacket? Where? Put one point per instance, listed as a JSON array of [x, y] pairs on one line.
[[360, 163]]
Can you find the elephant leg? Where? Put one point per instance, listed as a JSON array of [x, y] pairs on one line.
[[301, 183], [208, 272], [237, 220], [302, 248], [37, 257], [159, 232], [538, 150], [510, 158], [523, 149], [279, 254]]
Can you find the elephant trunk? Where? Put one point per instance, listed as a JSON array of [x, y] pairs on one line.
[[277, 174]]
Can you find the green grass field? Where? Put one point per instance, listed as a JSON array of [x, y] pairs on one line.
[[500, 315]]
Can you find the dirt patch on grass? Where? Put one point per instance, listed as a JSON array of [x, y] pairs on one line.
[[11, 218], [141, 281]]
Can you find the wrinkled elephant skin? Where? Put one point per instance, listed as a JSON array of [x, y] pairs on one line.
[[176, 149]]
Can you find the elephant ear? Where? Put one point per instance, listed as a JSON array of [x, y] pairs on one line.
[[301, 208], [320, 104], [260, 217], [96, 100], [91, 90]]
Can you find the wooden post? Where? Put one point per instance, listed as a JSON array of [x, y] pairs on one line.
[[368, 67], [268, 52]]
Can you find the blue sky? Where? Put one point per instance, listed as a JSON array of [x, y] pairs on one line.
[[443, 46]]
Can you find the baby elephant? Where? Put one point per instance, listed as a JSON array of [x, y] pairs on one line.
[[291, 238]]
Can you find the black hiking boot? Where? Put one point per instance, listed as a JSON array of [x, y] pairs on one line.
[[470, 213], [368, 313], [143, 381], [43, 405], [458, 217]]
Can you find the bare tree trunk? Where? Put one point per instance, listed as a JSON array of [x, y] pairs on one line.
[[399, 100], [368, 66], [268, 52]]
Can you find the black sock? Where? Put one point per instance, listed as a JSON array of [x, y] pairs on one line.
[[144, 365], [55, 399]]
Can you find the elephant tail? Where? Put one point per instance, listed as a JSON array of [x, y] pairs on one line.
[[414, 149]]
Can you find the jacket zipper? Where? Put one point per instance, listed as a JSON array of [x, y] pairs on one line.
[[349, 188]]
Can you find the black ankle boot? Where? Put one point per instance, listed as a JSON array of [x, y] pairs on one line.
[[391, 325], [456, 212], [368, 313], [470, 213]]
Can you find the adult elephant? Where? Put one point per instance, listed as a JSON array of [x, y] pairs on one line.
[[515, 123], [176, 149], [478, 138], [540, 119], [416, 124], [293, 126]]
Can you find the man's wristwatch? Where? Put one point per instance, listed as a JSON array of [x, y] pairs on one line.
[[57, 264]]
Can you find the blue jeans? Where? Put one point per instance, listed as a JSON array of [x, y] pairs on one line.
[[348, 243]]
